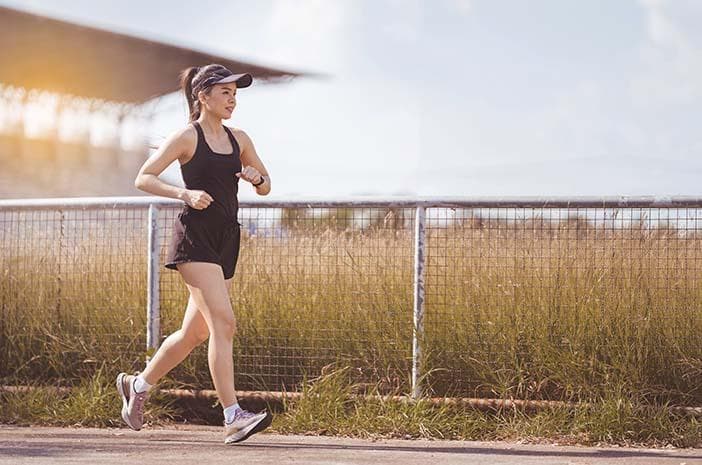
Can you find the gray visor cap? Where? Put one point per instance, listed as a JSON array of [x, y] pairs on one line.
[[241, 80]]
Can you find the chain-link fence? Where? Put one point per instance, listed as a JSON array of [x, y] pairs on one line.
[[523, 298]]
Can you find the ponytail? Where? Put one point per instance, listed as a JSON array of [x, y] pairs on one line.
[[186, 83]]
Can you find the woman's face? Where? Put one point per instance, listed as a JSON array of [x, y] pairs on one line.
[[221, 100]]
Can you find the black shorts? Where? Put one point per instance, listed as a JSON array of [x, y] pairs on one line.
[[205, 236]]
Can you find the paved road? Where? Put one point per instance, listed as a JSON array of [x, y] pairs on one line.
[[203, 445]]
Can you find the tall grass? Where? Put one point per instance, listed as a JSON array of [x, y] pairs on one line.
[[564, 311], [91, 402], [328, 407]]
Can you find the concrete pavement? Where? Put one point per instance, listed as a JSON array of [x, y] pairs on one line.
[[175, 445]]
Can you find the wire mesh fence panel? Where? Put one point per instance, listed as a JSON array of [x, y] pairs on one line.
[[564, 303], [523, 299], [314, 287], [72, 292]]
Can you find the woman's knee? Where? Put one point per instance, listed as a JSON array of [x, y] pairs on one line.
[[197, 336], [223, 323]]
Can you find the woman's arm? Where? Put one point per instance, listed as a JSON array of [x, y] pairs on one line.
[[252, 166], [177, 147]]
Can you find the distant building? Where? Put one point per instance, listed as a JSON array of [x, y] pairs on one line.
[[62, 77]]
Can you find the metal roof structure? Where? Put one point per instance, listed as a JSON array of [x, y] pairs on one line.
[[66, 58]]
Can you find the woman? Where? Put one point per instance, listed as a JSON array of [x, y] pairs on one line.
[[205, 244]]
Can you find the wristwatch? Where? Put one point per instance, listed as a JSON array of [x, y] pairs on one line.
[[259, 182]]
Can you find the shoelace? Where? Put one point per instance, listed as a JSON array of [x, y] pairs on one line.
[[243, 415]]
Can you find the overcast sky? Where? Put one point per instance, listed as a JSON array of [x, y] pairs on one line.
[[449, 97]]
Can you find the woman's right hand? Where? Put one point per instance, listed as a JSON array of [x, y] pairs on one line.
[[199, 200]]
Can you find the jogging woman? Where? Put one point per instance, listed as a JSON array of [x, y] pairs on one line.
[[205, 243]]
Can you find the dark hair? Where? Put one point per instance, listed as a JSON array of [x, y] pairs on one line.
[[194, 80]]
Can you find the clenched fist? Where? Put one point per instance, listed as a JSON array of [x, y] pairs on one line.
[[199, 200], [251, 174]]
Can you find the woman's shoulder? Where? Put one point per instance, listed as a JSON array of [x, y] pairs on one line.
[[182, 141], [187, 133], [239, 134], [236, 131], [185, 136]]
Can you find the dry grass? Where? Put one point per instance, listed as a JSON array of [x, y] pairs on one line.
[[525, 310]]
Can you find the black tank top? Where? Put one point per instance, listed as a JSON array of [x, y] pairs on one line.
[[213, 173]]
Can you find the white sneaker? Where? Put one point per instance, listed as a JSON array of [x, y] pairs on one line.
[[132, 401], [244, 425]]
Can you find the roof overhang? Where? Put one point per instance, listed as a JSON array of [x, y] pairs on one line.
[[67, 58]]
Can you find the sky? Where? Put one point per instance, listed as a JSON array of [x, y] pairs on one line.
[[458, 98]]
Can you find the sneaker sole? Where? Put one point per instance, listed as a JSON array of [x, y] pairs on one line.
[[125, 401], [250, 430]]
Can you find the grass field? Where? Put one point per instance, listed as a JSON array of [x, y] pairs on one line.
[[562, 311]]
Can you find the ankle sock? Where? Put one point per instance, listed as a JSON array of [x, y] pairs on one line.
[[230, 412], [140, 384]]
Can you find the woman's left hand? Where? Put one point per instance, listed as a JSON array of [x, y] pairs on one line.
[[249, 173]]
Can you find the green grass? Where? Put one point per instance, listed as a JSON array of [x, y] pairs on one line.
[[92, 402], [330, 406]]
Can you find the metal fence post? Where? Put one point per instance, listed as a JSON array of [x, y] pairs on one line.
[[153, 311], [418, 332]]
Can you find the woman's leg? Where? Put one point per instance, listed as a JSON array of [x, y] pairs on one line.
[[178, 345], [174, 349], [210, 293]]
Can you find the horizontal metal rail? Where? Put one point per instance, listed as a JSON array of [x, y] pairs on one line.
[[372, 202], [274, 397]]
